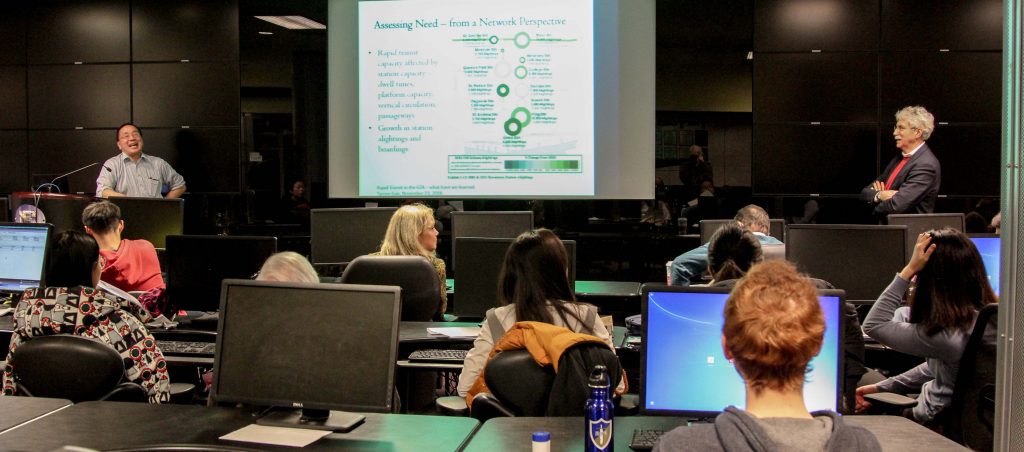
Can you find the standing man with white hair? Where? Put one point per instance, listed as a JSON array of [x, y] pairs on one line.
[[910, 183]]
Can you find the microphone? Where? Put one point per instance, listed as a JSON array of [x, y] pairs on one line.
[[54, 181]]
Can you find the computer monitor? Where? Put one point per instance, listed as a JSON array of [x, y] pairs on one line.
[[776, 228], [684, 371], [491, 224], [917, 223], [319, 347], [989, 247], [860, 259], [478, 265], [23, 249], [340, 235], [196, 265], [151, 219]]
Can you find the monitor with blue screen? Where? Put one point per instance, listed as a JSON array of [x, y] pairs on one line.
[[23, 249], [684, 370], [989, 249]]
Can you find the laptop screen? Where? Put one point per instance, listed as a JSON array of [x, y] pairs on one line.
[[989, 249], [22, 255], [684, 370]]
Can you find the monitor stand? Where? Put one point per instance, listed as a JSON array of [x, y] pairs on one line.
[[335, 421]]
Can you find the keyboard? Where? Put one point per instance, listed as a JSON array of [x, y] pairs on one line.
[[439, 356], [187, 347], [645, 439]]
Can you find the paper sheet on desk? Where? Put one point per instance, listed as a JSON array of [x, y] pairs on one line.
[[455, 331], [278, 436]]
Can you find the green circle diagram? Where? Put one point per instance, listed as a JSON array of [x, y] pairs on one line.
[[522, 59], [502, 90], [521, 72], [493, 39], [524, 121], [522, 40], [513, 127]]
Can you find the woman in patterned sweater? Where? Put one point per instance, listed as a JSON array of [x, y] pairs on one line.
[[70, 305]]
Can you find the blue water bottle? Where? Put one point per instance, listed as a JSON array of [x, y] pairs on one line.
[[599, 413]]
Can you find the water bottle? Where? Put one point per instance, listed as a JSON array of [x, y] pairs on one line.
[[598, 413]]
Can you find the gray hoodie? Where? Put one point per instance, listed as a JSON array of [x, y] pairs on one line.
[[736, 430]]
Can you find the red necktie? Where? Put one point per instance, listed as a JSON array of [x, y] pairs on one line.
[[895, 171]]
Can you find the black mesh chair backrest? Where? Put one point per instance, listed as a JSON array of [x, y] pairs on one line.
[[67, 367], [968, 418], [519, 383], [421, 287]]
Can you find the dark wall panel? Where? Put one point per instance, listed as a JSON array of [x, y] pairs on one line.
[[14, 155], [824, 87], [56, 152], [953, 86], [12, 33], [12, 97], [206, 158], [193, 94], [804, 159], [65, 32], [942, 24], [184, 30], [970, 158], [68, 96], [801, 25]]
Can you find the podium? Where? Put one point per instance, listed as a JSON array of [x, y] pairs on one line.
[[62, 211]]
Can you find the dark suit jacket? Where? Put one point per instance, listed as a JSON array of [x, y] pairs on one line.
[[917, 185]]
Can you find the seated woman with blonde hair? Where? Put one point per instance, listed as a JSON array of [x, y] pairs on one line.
[[412, 232], [288, 266], [773, 327]]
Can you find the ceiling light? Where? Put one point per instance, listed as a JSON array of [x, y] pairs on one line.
[[265, 32], [294, 22]]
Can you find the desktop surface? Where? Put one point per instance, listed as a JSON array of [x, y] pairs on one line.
[[127, 425], [17, 410]]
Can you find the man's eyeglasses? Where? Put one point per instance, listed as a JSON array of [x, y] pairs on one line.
[[901, 128]]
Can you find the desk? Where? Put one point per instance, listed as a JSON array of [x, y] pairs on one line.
[[106, 425], [896, 434], [17, 410]]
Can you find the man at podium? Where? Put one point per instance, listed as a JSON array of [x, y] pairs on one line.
[[132, 173]]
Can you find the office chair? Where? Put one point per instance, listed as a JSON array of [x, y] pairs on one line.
[[74, 368], [421, 288], [519, 387], [773, 252], [969, 416]]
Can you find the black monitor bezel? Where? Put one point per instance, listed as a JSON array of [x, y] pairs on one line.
[[46, 252], [646, 289], [307, 405]]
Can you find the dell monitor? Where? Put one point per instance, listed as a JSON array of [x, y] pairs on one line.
[[478, 265], [340, 235], [196, 265], [23, 249], [988, 247], [684, 371], [324, 348], [859, 259], [491, 224], [151, 219], [917, 223]]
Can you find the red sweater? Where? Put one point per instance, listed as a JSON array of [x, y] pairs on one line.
[[133, 267]]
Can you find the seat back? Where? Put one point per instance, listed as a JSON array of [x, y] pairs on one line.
[[521, 385], [421, 287], [968, 419], [67, 367]]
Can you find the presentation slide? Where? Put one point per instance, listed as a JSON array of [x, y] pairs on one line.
[[463, 97]]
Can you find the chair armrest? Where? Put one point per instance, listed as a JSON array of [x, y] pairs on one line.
[[629, 405], [127, 392], [182, 393], [452, 406], [891, 399], [486, 406]]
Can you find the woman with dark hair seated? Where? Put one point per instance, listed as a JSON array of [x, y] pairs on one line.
[[949, 288], [773, 327], [533, 286], [732, 250], [70, 305]]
